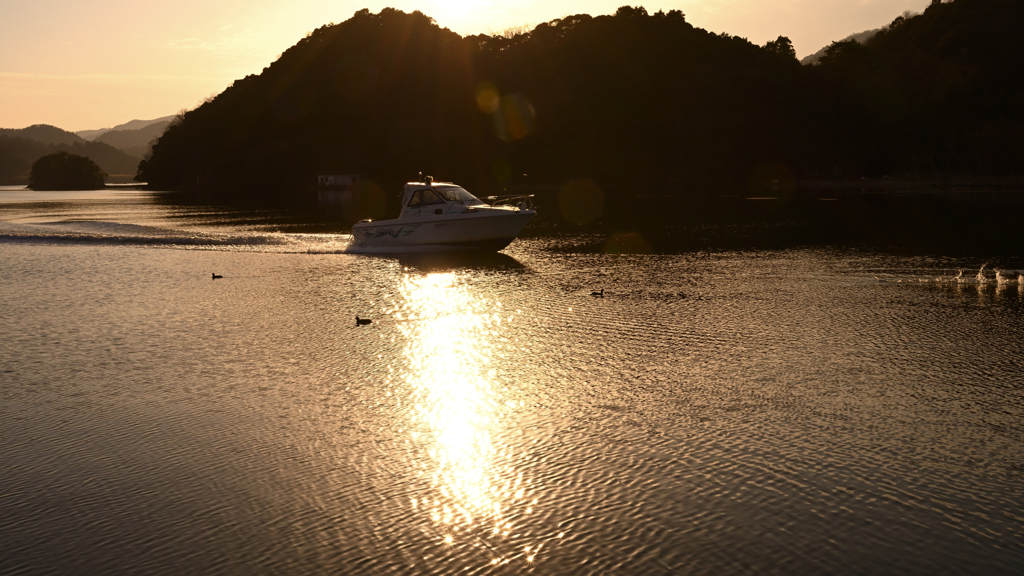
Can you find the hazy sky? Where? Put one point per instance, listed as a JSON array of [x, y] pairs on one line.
[[84, 65]]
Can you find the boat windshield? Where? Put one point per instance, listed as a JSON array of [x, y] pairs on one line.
[[455, 194], [424, 197]]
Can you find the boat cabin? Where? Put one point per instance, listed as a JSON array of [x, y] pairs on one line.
[[436, 198]]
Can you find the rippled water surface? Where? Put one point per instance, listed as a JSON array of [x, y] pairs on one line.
[[822, 410]]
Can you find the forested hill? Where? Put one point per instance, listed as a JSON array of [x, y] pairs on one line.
[[134, 141], [43, 133], [20, 148], [941, 93], [630, 100], [861, 37]]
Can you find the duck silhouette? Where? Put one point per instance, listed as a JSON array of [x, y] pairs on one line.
[[215, 276], [362, 321], [598, 294]]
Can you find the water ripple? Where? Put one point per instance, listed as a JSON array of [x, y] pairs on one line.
[[712, 413]]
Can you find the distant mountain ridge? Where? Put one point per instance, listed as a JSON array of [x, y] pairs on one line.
[[132, 125], [116, 150], [134, 141], [20, 148], [861, 37], [43, 133]]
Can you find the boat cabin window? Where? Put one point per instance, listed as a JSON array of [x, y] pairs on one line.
[[424, 197], [456, 195]]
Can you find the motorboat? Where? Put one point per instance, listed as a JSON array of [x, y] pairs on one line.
[[446, 216]]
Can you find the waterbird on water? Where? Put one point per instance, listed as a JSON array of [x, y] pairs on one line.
[[596, 293], [215, 276], [362, 321]]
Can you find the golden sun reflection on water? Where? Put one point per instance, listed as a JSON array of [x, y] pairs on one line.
[[461, 414]]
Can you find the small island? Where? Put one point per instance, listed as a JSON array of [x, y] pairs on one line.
[[63, 171]]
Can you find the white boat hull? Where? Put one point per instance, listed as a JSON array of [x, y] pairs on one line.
[[484, 229]]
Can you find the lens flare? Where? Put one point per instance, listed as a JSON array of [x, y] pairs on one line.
[[487, 98], [515, 118]]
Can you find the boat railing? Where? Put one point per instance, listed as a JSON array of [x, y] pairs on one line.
[[520, 201]]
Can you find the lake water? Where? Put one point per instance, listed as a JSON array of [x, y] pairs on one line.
[[817, 410]]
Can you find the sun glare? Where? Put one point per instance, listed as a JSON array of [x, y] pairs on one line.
[[464, 16], [459, 415]]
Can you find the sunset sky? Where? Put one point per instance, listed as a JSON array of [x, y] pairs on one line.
[[88, 65]]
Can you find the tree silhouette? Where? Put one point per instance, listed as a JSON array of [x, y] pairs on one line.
[[782, 46], [632, 101], [63, 171]]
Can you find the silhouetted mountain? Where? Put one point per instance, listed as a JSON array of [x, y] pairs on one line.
[[92, 134], [861, 37], [134, 142], [624, 99], [43, 133], [936, 94], [635, 102], [131, 125], [18, 154]]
